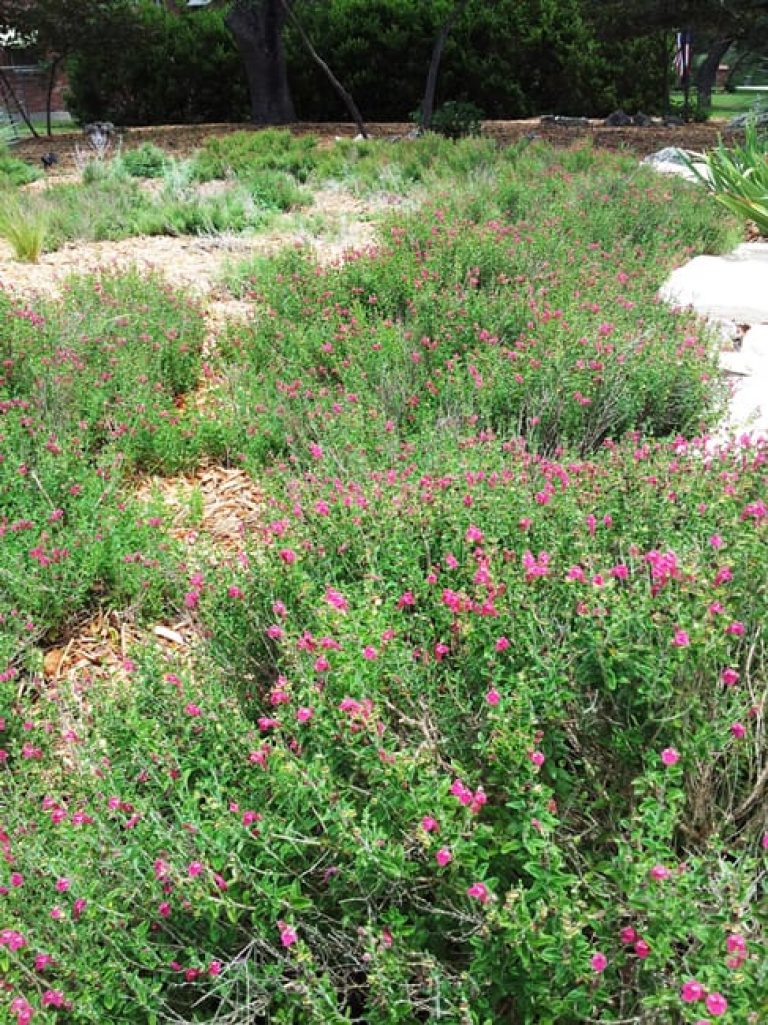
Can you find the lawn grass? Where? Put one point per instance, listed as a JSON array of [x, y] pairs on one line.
[[475, 721], [726, 105]]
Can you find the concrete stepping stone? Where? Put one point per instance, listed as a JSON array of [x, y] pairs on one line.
[[732, 287]]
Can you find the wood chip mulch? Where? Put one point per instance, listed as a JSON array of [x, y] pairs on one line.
[[220, 503]]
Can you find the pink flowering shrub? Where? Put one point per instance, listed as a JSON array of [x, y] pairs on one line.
[[87, 391], [466, 326], [441, 751]]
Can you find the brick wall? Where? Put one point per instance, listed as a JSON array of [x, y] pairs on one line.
[[30, 83]]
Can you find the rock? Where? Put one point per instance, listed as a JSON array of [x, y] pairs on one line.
[[565, 122], [741, 120], [755, 346], [732, 287], [618, 119], [667, 155], [749, 406], [642, 120], [671, 160], [673, 121], [729, 332], [734, 363]]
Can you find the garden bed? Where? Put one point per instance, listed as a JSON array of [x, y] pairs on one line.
[[181, 140], [397, 654]]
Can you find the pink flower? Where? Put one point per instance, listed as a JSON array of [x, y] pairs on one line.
[[195, 868], [193, 710], [429, 825], [370, 653], [460, 790], [680, 639], [736, 629], [480, 892], [493, 697], [62, 885], [691, 991], [474, 534], [161, 868], [22, 1010], [214, 968], [288, 935], [12, 940], [336, 599], [717, 1004], [304, 714], [17, 879], [729, 677], [736, 944], [598, 962], [52, 998], [443, 856], [738, 730], [642, 949], [502, 643], [670, 756], [288, 556], [537, 758], [78, 908], [659, 872], [164, 909]]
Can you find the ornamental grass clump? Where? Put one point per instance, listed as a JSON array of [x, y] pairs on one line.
[[24, 226]]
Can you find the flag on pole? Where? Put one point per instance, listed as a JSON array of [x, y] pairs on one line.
[[683, 53]]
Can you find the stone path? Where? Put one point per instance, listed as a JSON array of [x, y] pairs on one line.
[[731, 291]]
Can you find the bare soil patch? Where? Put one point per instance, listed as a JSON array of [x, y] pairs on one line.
[[196, 263]]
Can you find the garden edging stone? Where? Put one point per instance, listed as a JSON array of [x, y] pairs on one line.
[[733, 290]]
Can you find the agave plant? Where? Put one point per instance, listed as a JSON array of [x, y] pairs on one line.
[[737, 176]]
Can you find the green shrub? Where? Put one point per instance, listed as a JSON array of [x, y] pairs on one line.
[[149, 65], [14, 171], [248, 153], [146, 161], [275, 190], [457, 120]]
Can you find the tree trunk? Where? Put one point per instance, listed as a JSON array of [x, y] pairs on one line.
[[346, 97], [49, 94], [707, 73], [430, 89], [257, 26]]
